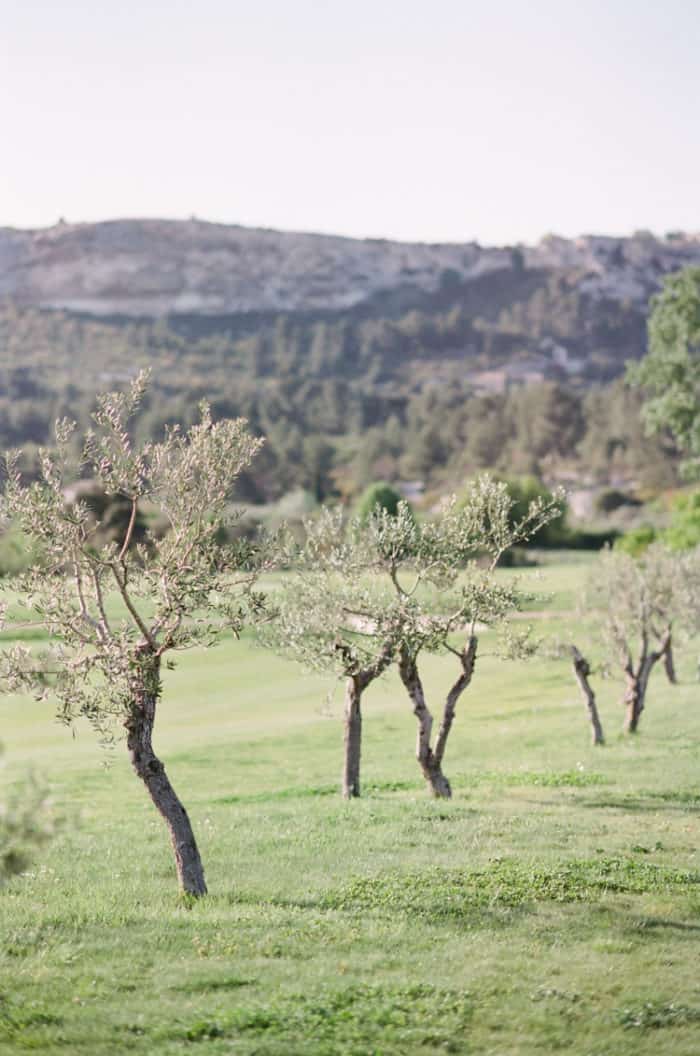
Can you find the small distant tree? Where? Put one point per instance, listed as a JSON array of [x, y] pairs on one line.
[[168, 594], [26, 824], [636, 605]]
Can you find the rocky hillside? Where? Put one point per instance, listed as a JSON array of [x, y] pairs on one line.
[[153, 268], [357, 360]]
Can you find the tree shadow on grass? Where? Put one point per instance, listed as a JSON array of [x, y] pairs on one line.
[[433, 912], [663, 923], [641, 804], [374, 790]]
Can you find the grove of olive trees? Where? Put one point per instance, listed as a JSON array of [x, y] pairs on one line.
[[386, 587]]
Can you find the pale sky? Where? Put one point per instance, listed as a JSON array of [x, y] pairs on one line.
[[433, 120]]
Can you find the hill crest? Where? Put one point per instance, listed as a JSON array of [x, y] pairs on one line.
[[152, 268]]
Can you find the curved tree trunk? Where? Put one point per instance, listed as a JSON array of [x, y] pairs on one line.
[[353, 737], [432, 772], [146, 764], [582, 670], [468, 660], [429, 760], [635, 694]]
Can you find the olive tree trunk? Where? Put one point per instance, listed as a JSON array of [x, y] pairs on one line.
[[634, 703], [355, 684], [638, 682], [429, 758], [353, 737], [582, 670], [669, 665], [139, 729]]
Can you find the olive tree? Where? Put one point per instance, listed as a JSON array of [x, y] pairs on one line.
[[455, 556], [388, 588], [333, 614], [636, 604], [114, 610]]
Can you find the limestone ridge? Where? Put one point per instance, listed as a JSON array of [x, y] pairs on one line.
[[153, 268]]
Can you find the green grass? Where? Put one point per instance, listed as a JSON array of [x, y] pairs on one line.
[[552, 906]]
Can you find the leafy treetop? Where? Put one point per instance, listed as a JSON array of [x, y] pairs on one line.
[[391, 582], [670, 371], [171, 593]]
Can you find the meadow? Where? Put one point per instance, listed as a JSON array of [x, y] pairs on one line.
[[553, 905]]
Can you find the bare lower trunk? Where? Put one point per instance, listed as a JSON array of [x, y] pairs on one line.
[[669, 665], [582, 670], [356, 683], [636, 691], [430, 767], [148, 767], [429, 760], [633, 704], [353, 738], [468, 660]]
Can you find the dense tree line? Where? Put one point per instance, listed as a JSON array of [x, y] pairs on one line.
[[345, 400]]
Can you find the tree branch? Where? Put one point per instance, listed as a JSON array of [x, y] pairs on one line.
[[468, 660], [129, 531], [130, 606]]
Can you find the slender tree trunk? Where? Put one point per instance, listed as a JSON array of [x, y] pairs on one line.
[[636, 691], [633, 704], [139, 727], [429, 760], [353, 737], [355, 684], [582, 670], [669, 665], [468, 661]]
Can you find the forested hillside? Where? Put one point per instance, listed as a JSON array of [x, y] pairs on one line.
[[356, 360]]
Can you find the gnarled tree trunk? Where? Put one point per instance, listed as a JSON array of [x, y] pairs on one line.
[[429, 759], [638, 681], [582, 670], [139, 729]]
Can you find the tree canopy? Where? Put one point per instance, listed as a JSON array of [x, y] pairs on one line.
[[670, 371]]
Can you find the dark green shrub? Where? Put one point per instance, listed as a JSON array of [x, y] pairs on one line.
[[636, 541], [378, 496]]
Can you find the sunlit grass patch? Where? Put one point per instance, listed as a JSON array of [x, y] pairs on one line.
[[546, 779], [450, 894], [355, 1020]]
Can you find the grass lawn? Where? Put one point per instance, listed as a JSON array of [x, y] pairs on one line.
[[553, 905]]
